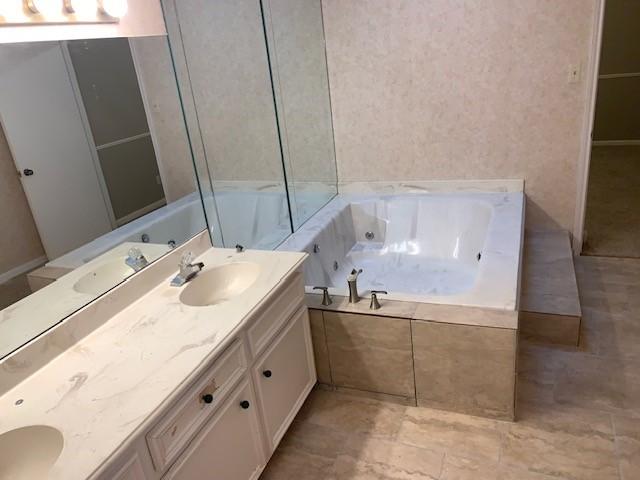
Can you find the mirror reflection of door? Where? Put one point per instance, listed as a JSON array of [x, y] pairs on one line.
[[96, 174], [45, 133], [92, 136]]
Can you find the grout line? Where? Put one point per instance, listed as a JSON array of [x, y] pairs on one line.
[[615, 446], [442, 461]]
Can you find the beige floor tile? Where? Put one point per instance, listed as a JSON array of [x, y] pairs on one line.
[[538, 369], [353, 414], [612, 219], [572, 443], [293, 465], [314, 439], [374, 458], [627, 432], [458, 468], [436, 429], [599, 383]]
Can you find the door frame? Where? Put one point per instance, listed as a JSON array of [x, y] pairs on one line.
[[582, 171]]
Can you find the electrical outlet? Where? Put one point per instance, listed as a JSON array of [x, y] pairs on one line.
[[575, 73]]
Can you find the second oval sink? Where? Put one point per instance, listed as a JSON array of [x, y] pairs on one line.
[[29, 452], [104, 277], [220, 284]]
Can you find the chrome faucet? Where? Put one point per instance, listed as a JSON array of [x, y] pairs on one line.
[[135, 259], [188, 270], [352, 281]]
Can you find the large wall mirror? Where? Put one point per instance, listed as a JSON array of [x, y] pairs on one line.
[[110, 149], [253, 74], [96, 174]]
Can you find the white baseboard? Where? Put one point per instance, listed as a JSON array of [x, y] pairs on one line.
[[615, 143], [20, 269]]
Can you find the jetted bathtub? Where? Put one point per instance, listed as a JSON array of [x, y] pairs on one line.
[[458, 249]]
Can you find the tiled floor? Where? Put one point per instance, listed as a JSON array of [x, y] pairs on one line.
[[612, 221], [578, 411]]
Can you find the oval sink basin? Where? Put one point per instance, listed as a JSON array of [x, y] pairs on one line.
[[104, 277], [29, 452], [220, 284]]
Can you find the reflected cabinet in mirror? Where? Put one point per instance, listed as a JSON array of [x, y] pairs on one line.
[[96, 174]]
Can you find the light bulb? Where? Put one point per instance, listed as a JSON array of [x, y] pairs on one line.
[[7, 9], [113, 8], [44, 7], [81, 8]]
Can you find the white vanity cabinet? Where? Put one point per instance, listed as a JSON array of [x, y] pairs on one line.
[[228, 422], [229, 446], [284, 375]]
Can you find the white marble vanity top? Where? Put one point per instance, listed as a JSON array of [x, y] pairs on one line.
[[109, 385]]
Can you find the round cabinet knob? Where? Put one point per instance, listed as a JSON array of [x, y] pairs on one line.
[[245, 404], [267, 373], [27, 172], [207, 398]]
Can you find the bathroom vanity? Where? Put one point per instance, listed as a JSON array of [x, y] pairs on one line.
[[200, 381]]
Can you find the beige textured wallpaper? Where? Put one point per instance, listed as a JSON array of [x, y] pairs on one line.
[[461, 90], [19, 242]]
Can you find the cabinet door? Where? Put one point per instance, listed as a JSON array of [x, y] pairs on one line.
[[284, 376], [229, 446]]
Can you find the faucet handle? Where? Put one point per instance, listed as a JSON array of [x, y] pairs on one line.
[[354, 274], [135, 253], [326, 298], [375, 304], [239, 248], [187, 258]]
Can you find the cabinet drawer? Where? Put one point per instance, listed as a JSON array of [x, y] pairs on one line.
[[229, 447], [187, 415], [284, 376], [276, 314]]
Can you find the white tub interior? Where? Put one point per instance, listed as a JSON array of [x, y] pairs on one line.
[[439, 248]]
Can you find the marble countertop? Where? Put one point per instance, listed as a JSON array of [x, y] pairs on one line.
[[32, 315], [109, 385]]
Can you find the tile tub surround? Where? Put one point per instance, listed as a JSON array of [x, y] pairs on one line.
[[370, 353], [404, 227], [465, 369], [550, 303], [107, 386], [461, 368], [562, 432]]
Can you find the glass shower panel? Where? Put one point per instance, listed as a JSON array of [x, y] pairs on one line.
[[295, 34], [222, 65]]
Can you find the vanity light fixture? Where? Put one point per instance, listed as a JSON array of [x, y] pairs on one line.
[[113, 8], [44, 7], [81, 7]]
